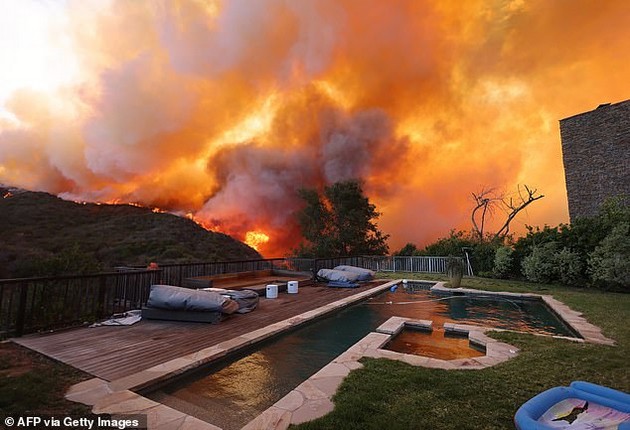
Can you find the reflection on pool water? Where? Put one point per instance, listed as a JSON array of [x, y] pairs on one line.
[[232, 392], [435, 344], [529, 316]]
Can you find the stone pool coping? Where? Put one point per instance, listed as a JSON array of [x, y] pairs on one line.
[[312, 398]]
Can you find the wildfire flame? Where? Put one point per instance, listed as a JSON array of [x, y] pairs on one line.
[[256, 239], [223, 109], [200, 222]]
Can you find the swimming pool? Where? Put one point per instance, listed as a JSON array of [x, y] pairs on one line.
[[524, 315], [235, 390]]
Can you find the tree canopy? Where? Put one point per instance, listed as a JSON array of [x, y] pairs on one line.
[[339, 221]]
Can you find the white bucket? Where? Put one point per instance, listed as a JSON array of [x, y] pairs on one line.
[[272, 291], [292, 287]]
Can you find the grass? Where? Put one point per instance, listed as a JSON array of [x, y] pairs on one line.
[[35, 385], [393, 395]]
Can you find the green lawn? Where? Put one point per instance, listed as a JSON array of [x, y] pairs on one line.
[[33, 384], [392, 395]]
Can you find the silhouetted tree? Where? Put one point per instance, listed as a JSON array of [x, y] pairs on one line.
[[340, 221], [487, 200], [408, 249]]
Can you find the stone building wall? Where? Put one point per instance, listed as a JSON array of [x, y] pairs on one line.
[[596, 156]]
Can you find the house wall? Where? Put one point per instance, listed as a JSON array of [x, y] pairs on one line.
[[596, 156]]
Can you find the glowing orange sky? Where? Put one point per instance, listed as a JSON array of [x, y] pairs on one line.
[[221, 109]]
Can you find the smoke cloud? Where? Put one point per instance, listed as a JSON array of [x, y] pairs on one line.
[[223, 109]]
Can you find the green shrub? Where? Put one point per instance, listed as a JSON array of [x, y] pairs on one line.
[[580, 239], [503, 262], [570, 267], [540, 265], [609, 264], [483, 256], [481, 253], [69, 261], [451, 245], [535, 237], [408, 249]]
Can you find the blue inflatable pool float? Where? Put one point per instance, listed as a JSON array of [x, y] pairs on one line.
[[582, 405]]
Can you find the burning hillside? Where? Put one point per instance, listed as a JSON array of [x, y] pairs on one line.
[[222, 109], [39, 232]]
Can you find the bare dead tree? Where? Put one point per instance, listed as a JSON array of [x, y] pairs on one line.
[[513, 207], [487, 200]]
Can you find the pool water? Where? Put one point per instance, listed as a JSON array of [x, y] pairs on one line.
[[232, 392], [235, 390], [436, 344], [528, 316]]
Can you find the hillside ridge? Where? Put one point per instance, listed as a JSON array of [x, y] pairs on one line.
[[42, 234]]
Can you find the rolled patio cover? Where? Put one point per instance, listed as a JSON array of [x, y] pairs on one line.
[[247, 299], [174, 298], [338, 275], [364, 274]]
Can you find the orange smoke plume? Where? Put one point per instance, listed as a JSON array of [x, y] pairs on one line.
[[222, 109]]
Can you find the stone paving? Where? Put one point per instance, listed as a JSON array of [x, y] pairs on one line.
[[312, 398]]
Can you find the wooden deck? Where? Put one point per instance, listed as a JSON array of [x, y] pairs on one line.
[[115, 352]]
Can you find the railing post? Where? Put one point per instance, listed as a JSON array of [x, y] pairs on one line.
[[102, 305], [21, 314]]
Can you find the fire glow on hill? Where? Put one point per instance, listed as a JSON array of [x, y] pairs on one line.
[[221, 109]]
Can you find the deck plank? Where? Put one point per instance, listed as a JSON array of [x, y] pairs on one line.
[[112, 352]]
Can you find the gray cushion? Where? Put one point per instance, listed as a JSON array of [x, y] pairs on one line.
[[338, 275], [184, 299], [364, 274]]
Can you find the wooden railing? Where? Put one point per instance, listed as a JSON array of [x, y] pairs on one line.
[[29, 305]]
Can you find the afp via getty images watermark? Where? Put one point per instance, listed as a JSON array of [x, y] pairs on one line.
[[93, 422]]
